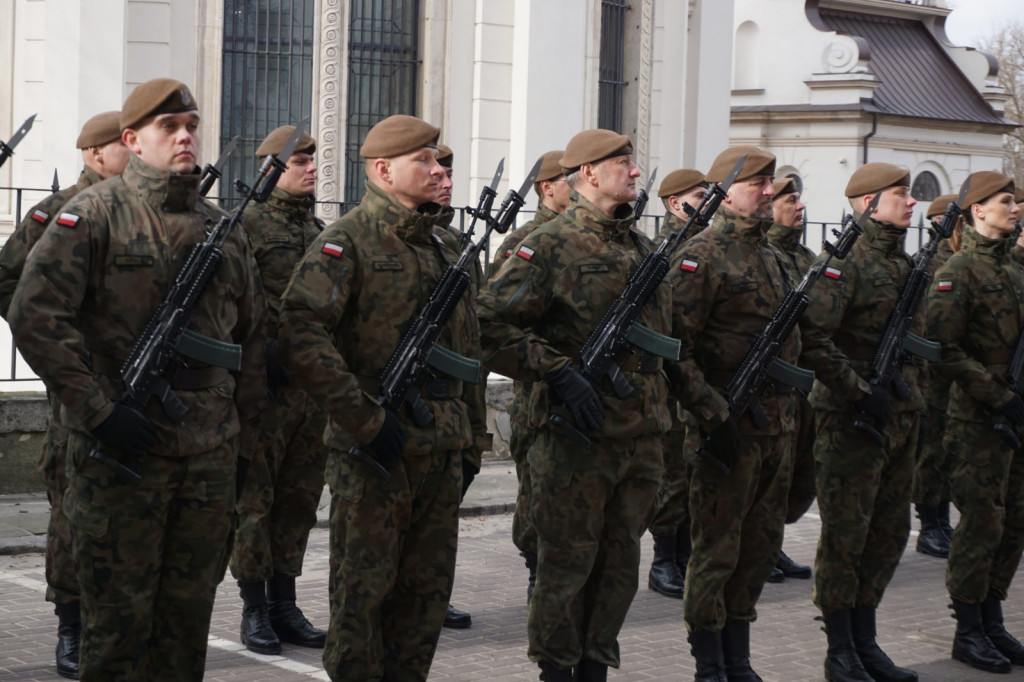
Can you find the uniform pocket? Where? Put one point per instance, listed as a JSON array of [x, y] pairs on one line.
[[92, 520]]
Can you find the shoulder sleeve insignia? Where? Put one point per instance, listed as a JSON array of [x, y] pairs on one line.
[[833, 273], [68, 220], [688, 265], [40, 216], [332, 249], [508, 253], [944, 285], [525, 252]]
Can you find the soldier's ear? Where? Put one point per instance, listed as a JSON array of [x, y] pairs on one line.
[[131, 140]]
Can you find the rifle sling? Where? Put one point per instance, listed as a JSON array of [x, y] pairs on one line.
[[211, 351], [655, 343]]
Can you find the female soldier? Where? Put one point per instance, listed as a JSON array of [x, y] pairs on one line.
[[976, 309]]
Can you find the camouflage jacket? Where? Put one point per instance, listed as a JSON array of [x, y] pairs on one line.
[[97, 275], [798, 258], [281, 230], [353, 294], [28, 232], [540, 307], [727, 281], [934, 385], [976, 311], [848, 312], [673, 223], [513, 238]]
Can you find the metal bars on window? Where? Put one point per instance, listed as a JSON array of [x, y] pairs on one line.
[[267, 78], [612, 70], [383, 65]]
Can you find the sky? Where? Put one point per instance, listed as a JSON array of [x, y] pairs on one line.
[[974, 20]]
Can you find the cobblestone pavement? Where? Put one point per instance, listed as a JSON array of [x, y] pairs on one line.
[[914, 624]]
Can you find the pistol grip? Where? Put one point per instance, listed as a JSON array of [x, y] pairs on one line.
[[565, 427], [375, 466], [418, 411], [122, 470], [620, 384], [860, 422]]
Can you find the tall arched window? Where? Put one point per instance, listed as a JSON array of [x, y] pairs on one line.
[[925, 187]]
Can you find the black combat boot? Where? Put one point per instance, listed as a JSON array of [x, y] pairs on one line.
[[664, 577], [932, 539], [287, 619], [776, 576], [791, 569], [736, 652], [841, 662], [69, 634], [878, 665], [971, 645], [257, 633], [549, 673], [531, 565], [706, 648], [684, 548], [944, 524], [457, 620], [591, 671], [992, 621]]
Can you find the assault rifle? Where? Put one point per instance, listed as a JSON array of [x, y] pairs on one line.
[[418, 351], [156, 355], [620, 328], [897, 341], [762, 360], [7, 148], [642, 196], [483, 205], [211, 173]]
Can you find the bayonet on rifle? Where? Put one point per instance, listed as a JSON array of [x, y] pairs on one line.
[[642, 196], [483, 205], [7, 148], [212, 173]]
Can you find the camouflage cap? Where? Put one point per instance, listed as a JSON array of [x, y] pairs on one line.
[[759, 162], [784, 186], [273, 142], [939, 205], [681, 180], [445, 155], [984, 184], [396, 135], [100, 130], [550, 165], [154, 97], [874, 177], [592, 146]]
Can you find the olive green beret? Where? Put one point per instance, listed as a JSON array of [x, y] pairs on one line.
[[679, 181], [939, 206], [397, 135], [984, 184], [874, 177], [784, 186], [592, 146], [99, 130], [273, 142], [550, 165], [154, 97], [759, 162], [445, 155]]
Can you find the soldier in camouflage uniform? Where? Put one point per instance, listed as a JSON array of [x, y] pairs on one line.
[[670, 526], [393, 540], [104, 156], [727, 281], [277, 507], [863, 487], [976, 311], [553, 191], [934, 466], [785, 234], [149, 555]]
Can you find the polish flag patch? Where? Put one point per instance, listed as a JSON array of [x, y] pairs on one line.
[[945, 285], [68, 220], [40, 216], [688, 265], [525, 252], [833, 273], [332, 249], [508, 253]]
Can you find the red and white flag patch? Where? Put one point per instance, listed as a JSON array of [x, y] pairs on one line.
[[688, 265], [833, 273], [945, 285], [68, 220], [332, 249], [525, 252], [40, 216], [508, 253]]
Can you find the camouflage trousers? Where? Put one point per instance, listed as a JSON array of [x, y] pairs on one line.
[[934, 465], [988, 489], [802, 490], [524, 536], [393, 549], [149, 557], [282, 489], [864, 501], [671, 509], [589, 506], [736, 526], [61, 578]]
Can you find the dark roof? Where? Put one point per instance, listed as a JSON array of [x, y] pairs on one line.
[[918, 79]]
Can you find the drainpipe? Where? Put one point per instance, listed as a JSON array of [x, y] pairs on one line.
[[874, 129]]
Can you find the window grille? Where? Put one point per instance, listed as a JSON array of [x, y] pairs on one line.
[[612, 71], [925, 187]]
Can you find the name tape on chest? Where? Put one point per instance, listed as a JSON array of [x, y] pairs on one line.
[[688, 265], [40, 216], [833, 273], [525, 252], [68, 220], [332, 249], [944, 285]]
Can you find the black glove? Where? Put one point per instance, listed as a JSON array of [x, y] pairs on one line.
[[878, 405], [469, 472], [389, 441], [1014, 410], [576, 393], [126, 430], [276, 376], [723, 445]]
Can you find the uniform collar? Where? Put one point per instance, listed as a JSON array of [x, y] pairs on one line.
[[588, 216], [409, 225], [88, 178], [885, 237], [741, 227], [785, 237], [998, 248], [296, 207], [673, 223], [170, 192]]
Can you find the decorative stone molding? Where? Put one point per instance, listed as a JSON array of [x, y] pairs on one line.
[[643, 118], [844, 54], [329, 103]]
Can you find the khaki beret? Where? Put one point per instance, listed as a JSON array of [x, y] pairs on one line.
[[550, 165], [759, 162], [984, 184], [784, 186], [874, 177], [273, 142], [100, 129], [679, 181], [939, 206], [592, 146], [396, 135], [154, 97], [445, 155]]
